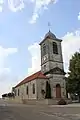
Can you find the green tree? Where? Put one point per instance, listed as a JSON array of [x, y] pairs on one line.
[[4, 95], [73, 80]]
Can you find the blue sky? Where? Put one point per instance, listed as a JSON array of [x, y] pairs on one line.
[[22, 28]]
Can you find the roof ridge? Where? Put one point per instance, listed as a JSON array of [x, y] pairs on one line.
[[23, 81], [31, 75], [38, 74]]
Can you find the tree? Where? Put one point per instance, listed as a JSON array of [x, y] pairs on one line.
[[4, 95], [8, 95], [73, 81], [48, 90], [11, 95]]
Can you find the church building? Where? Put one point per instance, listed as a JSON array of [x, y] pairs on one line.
[[52, 73]]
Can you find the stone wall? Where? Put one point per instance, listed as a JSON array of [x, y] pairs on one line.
[[58, 79], [23, 93], [39, 86]]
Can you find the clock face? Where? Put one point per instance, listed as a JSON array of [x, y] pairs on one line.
[[45, 58]]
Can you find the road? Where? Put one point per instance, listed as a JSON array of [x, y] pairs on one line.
[[36, 112]]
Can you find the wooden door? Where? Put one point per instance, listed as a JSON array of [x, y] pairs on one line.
[[58, 91]]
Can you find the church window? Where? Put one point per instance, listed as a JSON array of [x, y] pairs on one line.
[[27, 90], [33, 88], [15, 92], [18, 92], [55, 48], [44, 49]]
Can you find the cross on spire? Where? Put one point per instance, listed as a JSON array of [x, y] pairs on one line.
[[49, 25]]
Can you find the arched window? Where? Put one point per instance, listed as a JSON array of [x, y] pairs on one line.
[[15, 92], [27, 90], [44, 49], [33, 88], [55, 48], [18, 92]]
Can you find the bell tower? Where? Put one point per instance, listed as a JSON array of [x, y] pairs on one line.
[[51, 54], [52, 64]]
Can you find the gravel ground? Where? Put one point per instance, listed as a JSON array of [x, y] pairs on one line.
[[37, 112]]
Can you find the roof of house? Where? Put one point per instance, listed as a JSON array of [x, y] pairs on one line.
[[34, 76]]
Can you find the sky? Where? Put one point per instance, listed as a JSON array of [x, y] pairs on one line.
[[23, 24]]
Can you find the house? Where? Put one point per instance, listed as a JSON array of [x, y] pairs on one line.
[[52, 71]]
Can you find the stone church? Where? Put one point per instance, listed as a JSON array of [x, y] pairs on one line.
[[52, 71]]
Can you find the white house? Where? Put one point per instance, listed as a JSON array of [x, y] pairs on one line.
[[52, 70]]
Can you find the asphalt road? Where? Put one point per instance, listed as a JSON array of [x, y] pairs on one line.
[[33, 112]]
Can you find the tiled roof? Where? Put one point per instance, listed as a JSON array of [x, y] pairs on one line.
[[32, 77]]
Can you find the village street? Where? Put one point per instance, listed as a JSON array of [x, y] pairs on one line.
[[32, 112]]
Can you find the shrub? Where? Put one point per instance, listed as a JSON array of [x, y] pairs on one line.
[[10, 95], [48, 90], [62, 102], [43, 92]]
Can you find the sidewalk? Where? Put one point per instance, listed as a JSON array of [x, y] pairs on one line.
[[69, 105]]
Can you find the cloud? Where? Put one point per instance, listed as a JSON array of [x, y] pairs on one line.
[[36, 58], [1, 5], [39, 5], [1, 9], [79, 16], [4, 52], [13, 5], [5, 72], [1, 1], [16, 5], [6, 86], [34, 17], [70, 44]]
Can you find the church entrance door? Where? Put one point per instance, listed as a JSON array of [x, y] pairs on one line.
[[58, 91]]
